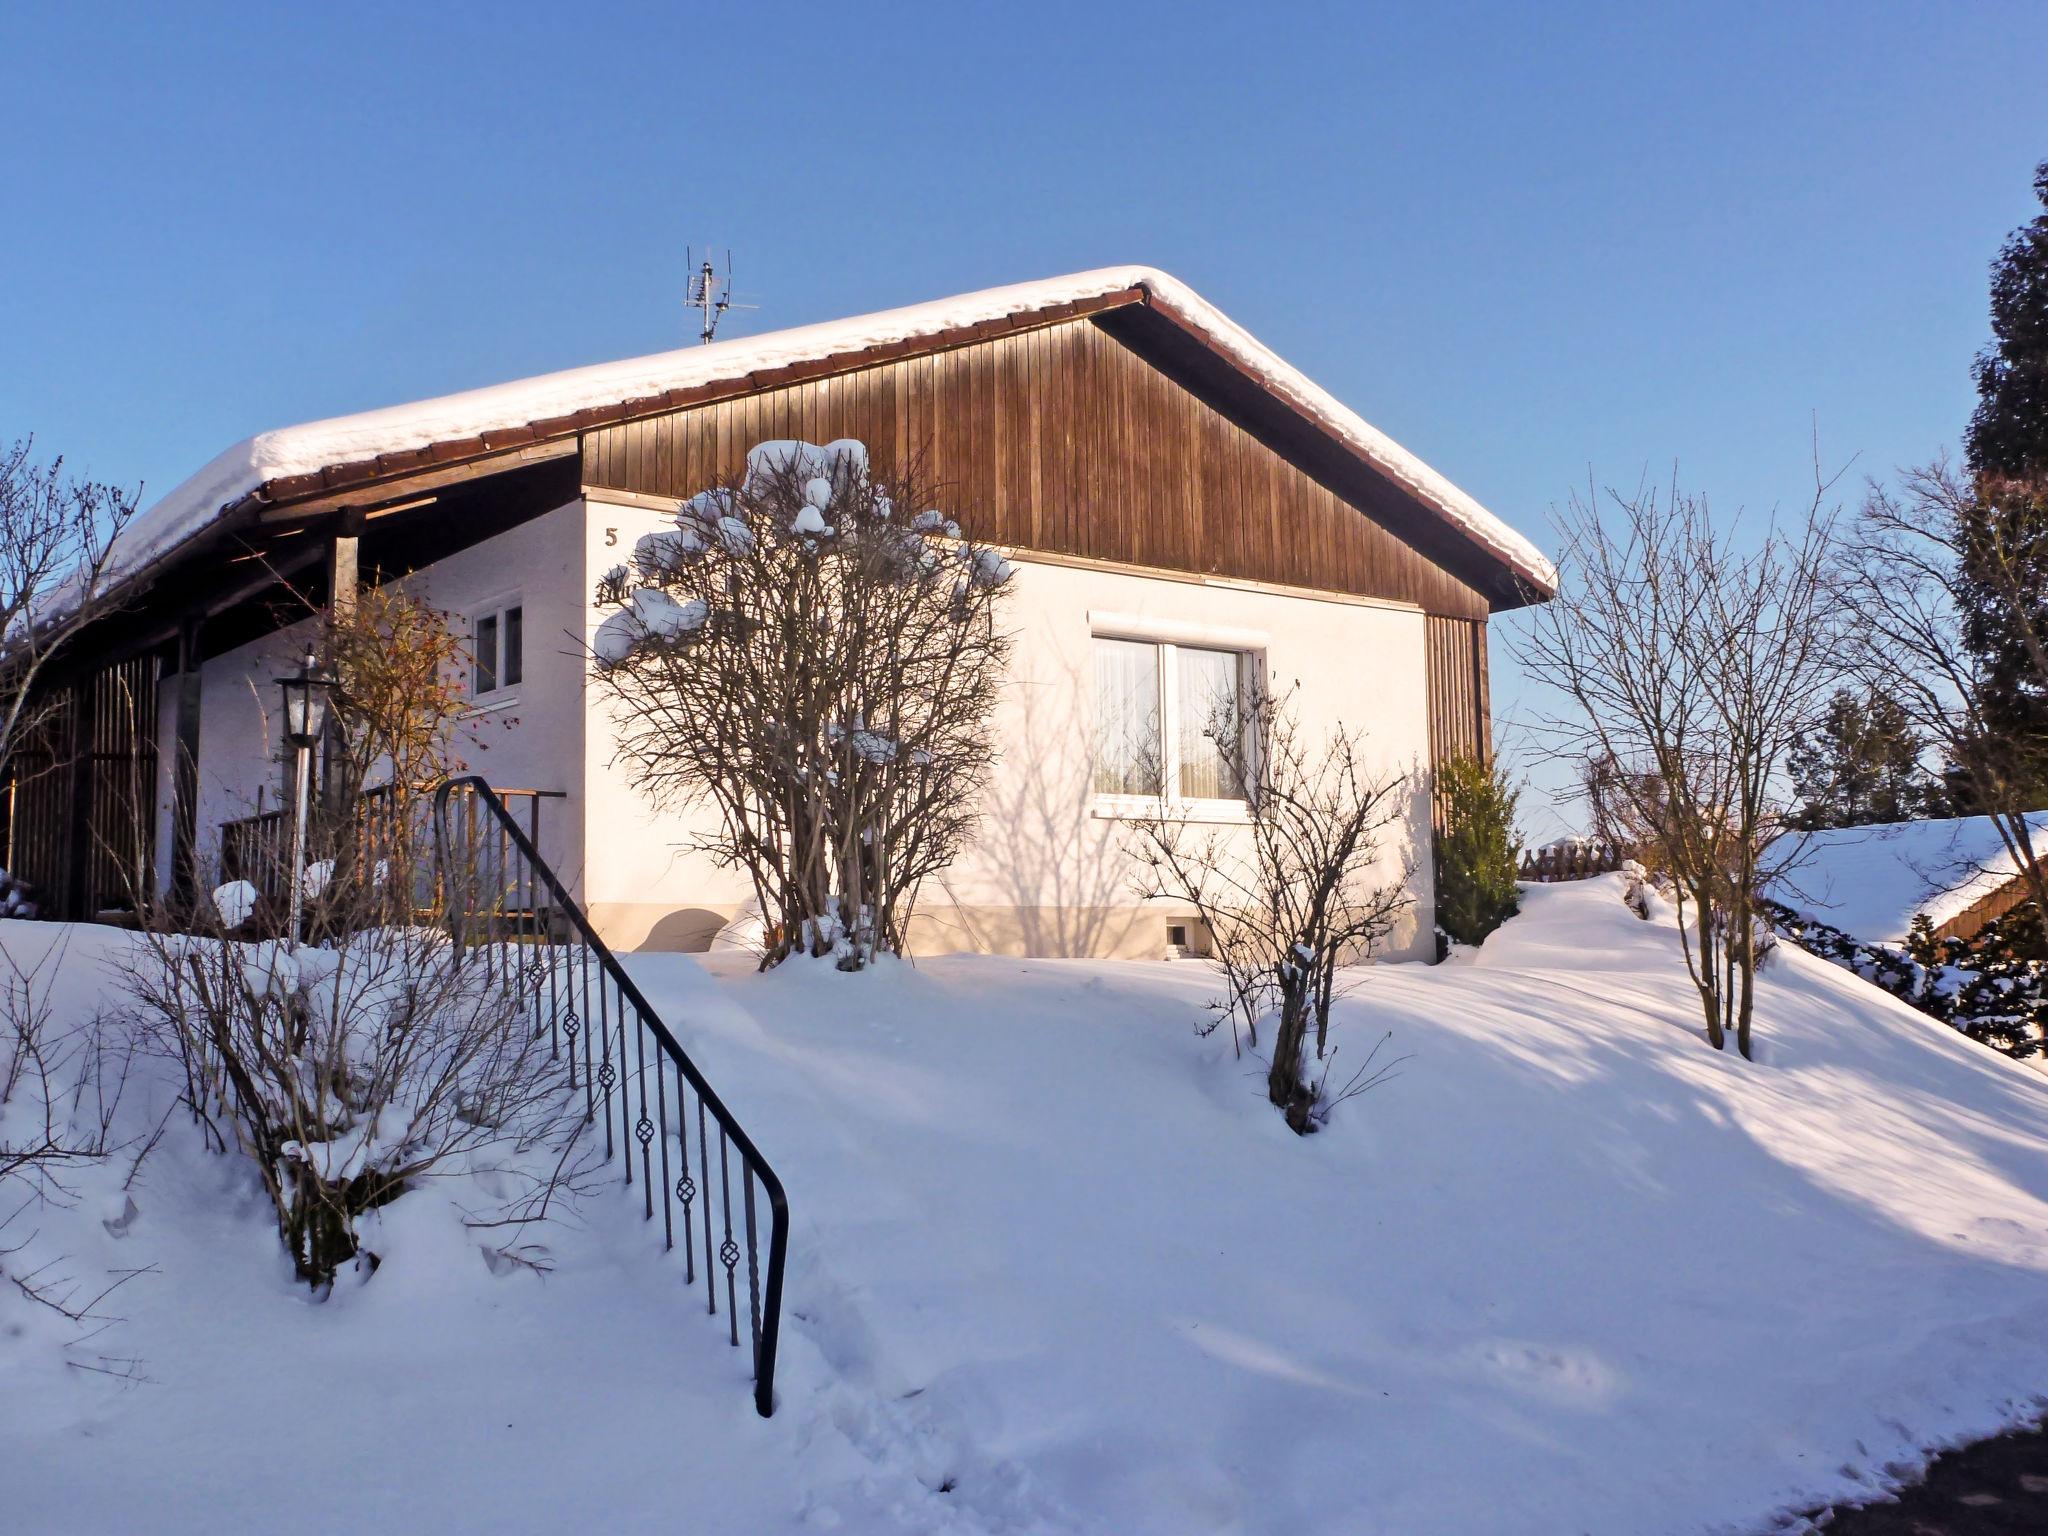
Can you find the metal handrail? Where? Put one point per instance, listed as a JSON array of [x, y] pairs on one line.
[[605, 1079]]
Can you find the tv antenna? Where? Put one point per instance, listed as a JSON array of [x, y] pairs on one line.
[[708, 293]]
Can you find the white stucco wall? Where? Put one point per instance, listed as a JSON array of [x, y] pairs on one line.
[[1048, 873], [1052, 860], [531, 737]]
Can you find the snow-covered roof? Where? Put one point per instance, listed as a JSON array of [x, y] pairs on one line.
[[1871, 882], [474, 414]]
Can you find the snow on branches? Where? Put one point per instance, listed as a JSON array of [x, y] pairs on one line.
[[813, 652]]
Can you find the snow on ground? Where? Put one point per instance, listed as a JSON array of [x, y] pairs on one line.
[[1570, 1271], [1871, 882]]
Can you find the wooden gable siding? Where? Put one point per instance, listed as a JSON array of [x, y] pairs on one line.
[[1460, 713], [1063, 440]]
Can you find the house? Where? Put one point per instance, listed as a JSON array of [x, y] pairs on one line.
[[1176, 500], [1872, 882]]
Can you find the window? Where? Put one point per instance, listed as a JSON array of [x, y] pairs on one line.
[[498, 644], [1165, 715]]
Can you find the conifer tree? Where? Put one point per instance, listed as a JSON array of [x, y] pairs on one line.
[[2002, 531], [1861, 765], [1476, 852], [2008, 435]]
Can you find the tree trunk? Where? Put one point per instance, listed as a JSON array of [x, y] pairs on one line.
[[1709, 1001], [1284, 1087]]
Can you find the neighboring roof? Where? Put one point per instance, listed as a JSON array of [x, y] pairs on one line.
[[299, 460], [1871, 882]]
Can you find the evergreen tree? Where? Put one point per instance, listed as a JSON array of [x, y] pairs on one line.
[[1861, 765], [2008, 435], [2002, 532], [1476, 853]]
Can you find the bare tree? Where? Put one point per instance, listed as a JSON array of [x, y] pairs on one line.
[[814, 654], [1922, 561], [1290, 897], [1693, 659], [1622, 815], [396, 727], [56, 540]]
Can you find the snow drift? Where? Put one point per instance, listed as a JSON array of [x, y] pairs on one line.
[[1057, 1267]]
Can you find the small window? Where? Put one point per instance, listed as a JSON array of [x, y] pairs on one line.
[[498, 644], [1169, 720]]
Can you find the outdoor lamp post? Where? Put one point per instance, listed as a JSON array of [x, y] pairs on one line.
[[305, 715]]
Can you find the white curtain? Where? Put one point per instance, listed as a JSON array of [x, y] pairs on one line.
[[1127, 744], [1208, 721]]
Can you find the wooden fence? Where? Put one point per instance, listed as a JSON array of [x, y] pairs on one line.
[[1570, 861]]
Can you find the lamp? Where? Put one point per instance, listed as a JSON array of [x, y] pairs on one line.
[[305, 716], [305, 703]]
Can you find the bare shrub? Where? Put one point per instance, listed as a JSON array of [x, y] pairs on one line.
[[351, 1072], [56, 538], [399, 704], [62, 1085], [813, 653], [1694, 661], [1289, 897]]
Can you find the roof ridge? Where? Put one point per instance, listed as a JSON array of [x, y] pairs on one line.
[[568, 400]]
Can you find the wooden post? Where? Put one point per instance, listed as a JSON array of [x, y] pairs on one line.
[[77, 900], [344, 571], [185, 771], [344, 585]]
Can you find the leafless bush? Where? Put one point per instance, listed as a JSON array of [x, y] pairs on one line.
[[396, 723], [813, 653], [1693, 659], [1288, 898], [354, 1071], [56, 534], [62, 1085]]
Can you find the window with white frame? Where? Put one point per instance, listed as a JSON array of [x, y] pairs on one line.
[[1164, 717], [497, 644]]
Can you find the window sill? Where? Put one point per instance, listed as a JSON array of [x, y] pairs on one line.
[[496, 704], [1131, 807]]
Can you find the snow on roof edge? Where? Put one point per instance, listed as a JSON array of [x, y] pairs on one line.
[[1871, 881], [197, 503]]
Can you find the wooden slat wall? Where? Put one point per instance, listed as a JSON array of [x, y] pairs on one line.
[[1460, 712], [1059, 439], [81, 800]]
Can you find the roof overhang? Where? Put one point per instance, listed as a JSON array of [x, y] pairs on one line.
[[357, 464]]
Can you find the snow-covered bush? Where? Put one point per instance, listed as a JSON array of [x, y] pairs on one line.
[[17, 897], [1992, 986], [1290, 897], [1476, 852], [813, 652], [351, 1071]]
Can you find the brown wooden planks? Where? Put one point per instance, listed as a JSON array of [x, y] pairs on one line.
[[1063, 439]]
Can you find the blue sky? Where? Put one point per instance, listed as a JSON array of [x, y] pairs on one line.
[[1529, 242]]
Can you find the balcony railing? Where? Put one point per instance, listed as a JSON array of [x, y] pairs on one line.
[[384, 832]]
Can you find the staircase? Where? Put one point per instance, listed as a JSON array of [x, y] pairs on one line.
[[509, 913]]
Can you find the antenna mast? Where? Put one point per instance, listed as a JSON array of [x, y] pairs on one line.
[[708, 293]]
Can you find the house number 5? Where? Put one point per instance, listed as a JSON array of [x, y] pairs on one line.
[[611, 535]]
